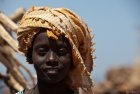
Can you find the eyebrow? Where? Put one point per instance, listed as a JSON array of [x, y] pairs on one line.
[[38, 46]]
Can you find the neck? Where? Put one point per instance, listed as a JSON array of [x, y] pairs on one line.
[[55, 88]]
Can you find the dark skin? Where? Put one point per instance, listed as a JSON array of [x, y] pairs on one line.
[[52, 61]]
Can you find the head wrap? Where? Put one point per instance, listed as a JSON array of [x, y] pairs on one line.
[[61, 21]]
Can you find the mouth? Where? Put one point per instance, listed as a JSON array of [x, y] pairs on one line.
[[52, 71]]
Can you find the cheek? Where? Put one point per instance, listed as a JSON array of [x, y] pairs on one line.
[[37, 60], [67, 60]]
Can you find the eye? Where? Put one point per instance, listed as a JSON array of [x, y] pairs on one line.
[[62, 51], [41, 51]]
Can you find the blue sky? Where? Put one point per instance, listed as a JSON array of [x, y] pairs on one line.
[[114, 23]]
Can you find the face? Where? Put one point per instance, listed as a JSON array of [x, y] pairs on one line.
[[51, 58]]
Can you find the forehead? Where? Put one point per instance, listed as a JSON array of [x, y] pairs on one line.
[[42, 38]]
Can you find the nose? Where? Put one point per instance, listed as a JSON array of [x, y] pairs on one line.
[[52, 59]]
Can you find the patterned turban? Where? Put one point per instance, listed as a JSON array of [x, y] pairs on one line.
[[61, 21]]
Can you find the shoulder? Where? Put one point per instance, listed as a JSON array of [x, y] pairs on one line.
[[29, 91]]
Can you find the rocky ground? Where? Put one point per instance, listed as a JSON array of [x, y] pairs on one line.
[[121, 80]]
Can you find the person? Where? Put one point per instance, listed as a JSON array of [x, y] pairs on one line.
[[59, 45]]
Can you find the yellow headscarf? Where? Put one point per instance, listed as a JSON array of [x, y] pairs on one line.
[[60, 21]]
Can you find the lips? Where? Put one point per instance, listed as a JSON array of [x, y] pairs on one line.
[[52, 70]]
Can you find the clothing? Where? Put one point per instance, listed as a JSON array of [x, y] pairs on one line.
[[61, 21], [21, 92], [35, 91]]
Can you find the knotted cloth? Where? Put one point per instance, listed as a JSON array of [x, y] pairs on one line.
[[61, 21]]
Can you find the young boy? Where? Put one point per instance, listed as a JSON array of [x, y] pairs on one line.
[[58, 43]]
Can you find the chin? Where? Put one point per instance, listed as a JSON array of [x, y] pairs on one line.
[[53, 79]]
